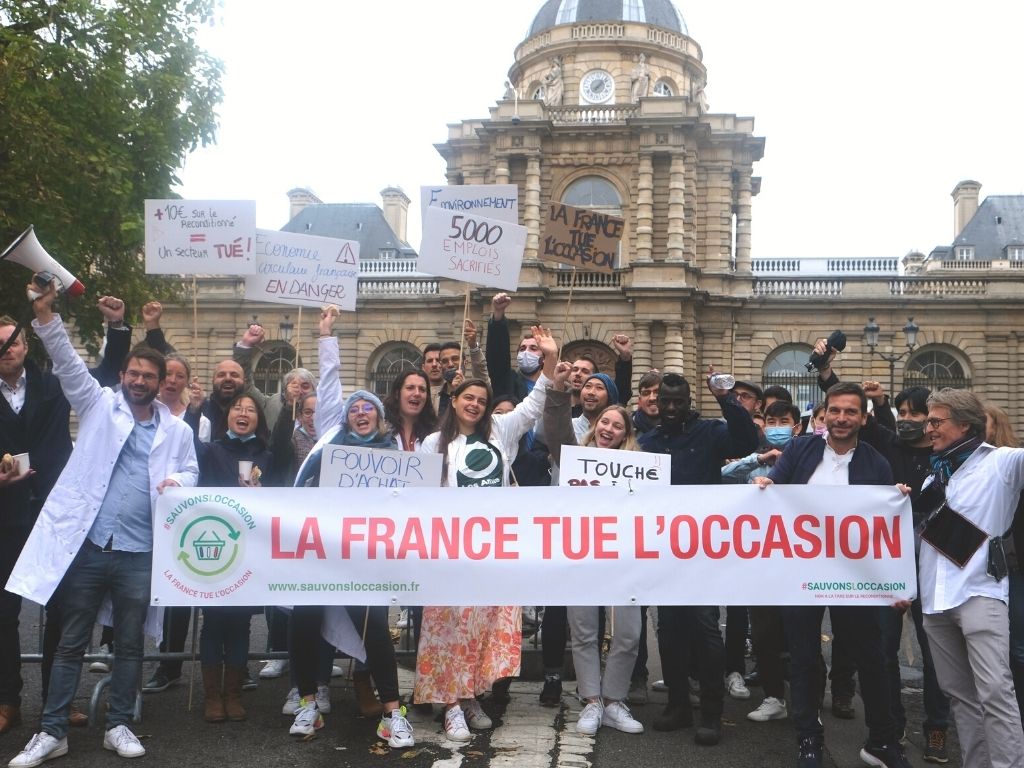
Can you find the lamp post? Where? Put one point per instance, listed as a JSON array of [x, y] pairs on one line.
[[871, 331], [285, 328]]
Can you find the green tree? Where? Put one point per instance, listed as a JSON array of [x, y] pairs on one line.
[[101, 102]]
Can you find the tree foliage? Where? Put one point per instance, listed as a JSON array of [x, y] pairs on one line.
[[100, 102]]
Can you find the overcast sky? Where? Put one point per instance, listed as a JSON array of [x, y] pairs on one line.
[[872, 111]]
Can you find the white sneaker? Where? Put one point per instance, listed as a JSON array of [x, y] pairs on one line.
[[659, 686], [617, 715], [396, 730], [770, 709], [336, 671], [476, 718], [455, 727], [103, 667], [40, 748], [590, 718], [120, 739], [736, 687], [307, 719], [323, 699], [274, 668], [403, 619], [291, 703]]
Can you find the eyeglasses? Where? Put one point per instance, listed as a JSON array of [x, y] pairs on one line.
[[308, 412], [745, 395], [934, 423], [355, 410]]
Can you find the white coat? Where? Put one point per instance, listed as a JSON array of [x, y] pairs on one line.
[[104, 422]]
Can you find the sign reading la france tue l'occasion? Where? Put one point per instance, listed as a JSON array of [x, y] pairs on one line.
[[471, 248], [605, 466], [200, 237], [304, 270], [581, 238], [352, 466], [495, 201]]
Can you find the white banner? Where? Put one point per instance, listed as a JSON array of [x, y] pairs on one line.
[[200, 237], [349, 466], [604, 466], [471, 248], [652, 545], [304, 270], [495, 201]]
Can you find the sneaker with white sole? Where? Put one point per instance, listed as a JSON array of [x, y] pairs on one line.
[[291, 702], [102, 667], [307, 719], [40, 748], [617, 715], [455, 727], [476, 718], [396, 730], [736, 687], [336, 671], [323, 699], [274, 668], [590, 718], [120, 739], [770, 709], [403, 619]]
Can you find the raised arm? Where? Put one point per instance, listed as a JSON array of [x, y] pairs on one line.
[[499, 361], [558, 429], [742, 432], [524, 416], [477, 360], [623, 367], [152, 311], [242, 354], [119, 342], [329, 400]]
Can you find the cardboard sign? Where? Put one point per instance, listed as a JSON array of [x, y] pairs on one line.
[[348, 466], [200, 237], [606, 466], [471, 248], [304, 270], [496, 201], [581, 238]]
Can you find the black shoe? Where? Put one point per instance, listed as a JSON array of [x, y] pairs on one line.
[[673, 717], [159, 682], [935, 746], [753, 680], [889, 756], [843, 708], [249, 683], [551, 694], [499, 690], [810, 753], [709, 732]]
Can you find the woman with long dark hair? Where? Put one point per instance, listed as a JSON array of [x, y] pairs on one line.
[[463, 650], [409, 409]]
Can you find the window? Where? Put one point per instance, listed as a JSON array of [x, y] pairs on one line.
[[538, 93], [566, 12], [936, 367], [662, 88], [392, 361], [786, 367], [277, 359], [1015, 252], [965, 253], [633, 10], [595, 194]]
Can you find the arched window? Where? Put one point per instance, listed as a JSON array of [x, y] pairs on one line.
[[277, 359], [392, 359], [601, 353], [595, 194], [936, 367], [664, 88], [538, 93], [785, 366]]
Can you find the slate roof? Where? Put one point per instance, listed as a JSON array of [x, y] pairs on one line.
[[660, 13], [998, 222], [363, 222]]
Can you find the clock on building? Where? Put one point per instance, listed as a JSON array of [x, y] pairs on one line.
[[597, 87]]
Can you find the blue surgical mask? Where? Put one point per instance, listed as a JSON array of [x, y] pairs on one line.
[[243, 438], [778, 436], [528, 362]]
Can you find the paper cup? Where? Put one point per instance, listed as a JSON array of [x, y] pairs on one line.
[[21, 463], [244, 471]]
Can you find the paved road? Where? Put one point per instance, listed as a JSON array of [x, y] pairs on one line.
[[526, 735]]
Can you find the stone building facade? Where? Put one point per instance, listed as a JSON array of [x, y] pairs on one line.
[[607, 111]]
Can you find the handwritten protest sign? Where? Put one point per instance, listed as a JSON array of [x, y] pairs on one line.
[[604, 466], [581, 238], [349, 466], [471, 248], [200, 237], [304, 270], [496, 201]]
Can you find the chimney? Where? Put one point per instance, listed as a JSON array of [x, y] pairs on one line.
[[396, 210], [299, 198], [965, 204]]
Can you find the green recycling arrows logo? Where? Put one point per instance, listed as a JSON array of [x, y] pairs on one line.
[[209, 546]]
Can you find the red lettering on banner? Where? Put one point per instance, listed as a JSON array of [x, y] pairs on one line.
[[737, 536], [889, 537], [440, 535], [309, 540], [546, 524], [483, 524], [673, 537], [412, 541], [602, 538], [723, 525], [349, 535], [845, 539], [276, 553], [800, 526], [381, 533], [776, 538], [830, 537], [584, 549], [638, 542], [503, 538]]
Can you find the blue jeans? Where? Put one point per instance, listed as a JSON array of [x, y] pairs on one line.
[[92, 575]]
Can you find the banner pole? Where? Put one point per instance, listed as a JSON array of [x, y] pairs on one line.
[[298, 342], [568, 304], [195, 318], [462, 328]]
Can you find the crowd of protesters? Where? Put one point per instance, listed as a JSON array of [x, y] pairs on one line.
[[77, 532]]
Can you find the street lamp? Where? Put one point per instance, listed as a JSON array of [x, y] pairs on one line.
[[286, 327], [871, 331]]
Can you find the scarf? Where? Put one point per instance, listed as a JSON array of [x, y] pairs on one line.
[[950, 460]]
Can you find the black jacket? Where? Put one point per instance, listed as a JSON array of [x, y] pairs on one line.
[[803, 455]]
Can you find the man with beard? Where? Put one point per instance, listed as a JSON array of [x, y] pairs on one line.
[[228, 381], [94, 534], [598, 392], [242, 355]]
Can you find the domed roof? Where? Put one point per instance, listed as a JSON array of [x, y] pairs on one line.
[[660, 13]]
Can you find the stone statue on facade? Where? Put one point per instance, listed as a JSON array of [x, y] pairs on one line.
[[553, 85], [640, 80], [700, 100], [510, 92]]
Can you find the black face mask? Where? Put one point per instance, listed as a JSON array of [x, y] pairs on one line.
[[910, 431], [449, 375]]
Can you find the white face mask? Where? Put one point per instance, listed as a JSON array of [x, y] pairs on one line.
[[528, 362]]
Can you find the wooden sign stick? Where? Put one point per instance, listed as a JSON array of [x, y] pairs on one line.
[[462, 329], [298, 342], [568, 304], [195, 318]]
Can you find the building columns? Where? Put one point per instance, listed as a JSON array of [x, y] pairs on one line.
[[645, 208], [676, 207], [531, 211]]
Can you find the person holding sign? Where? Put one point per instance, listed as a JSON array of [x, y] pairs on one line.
[[464, 650], [359, 421]]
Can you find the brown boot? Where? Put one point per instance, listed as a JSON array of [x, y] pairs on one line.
[[10, 716], [233, 677], [369, 704], [213, 712]]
